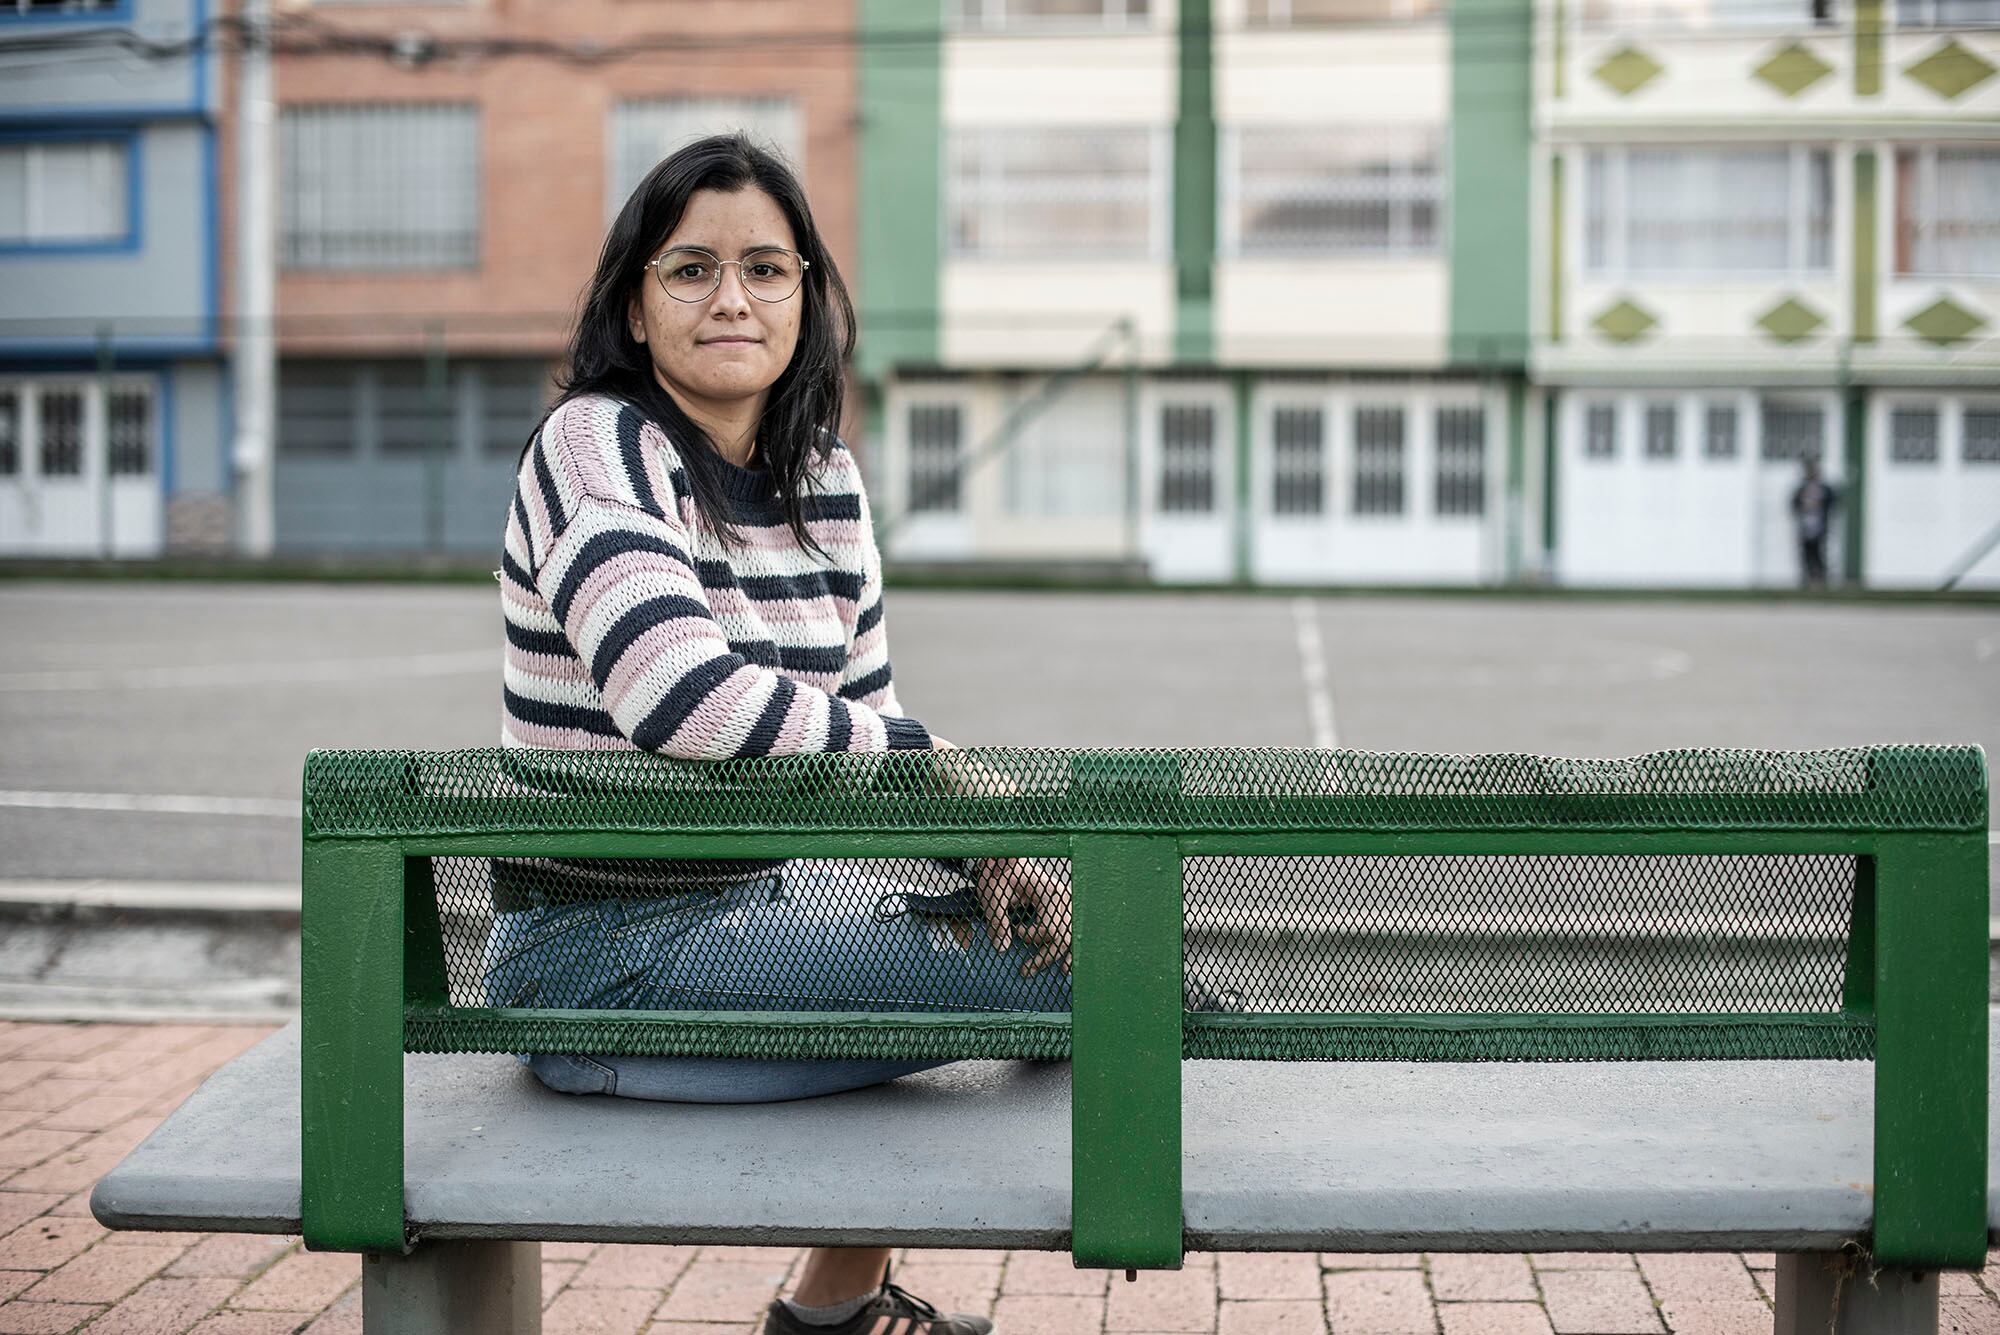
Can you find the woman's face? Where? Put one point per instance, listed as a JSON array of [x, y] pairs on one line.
[[729, 346]]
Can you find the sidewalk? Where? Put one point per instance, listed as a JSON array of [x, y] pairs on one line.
[[75, 1097]]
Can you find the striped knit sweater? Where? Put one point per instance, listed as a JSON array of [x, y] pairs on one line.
[[629, 624]]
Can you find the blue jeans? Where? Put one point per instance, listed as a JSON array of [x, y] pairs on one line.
[[807, 936]]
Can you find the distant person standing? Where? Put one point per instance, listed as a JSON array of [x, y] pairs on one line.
[[1813, 502]]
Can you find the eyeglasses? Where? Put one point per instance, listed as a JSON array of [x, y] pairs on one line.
[[687, 274]]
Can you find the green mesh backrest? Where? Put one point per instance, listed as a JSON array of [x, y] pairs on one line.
[[1718, 942]]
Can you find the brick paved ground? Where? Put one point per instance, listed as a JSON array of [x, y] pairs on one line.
[[75, 1097]]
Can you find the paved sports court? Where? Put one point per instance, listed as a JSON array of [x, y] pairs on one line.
[[155, 731]]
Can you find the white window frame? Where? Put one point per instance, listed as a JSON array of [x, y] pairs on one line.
[[1000, 16], [753, 115], [1230, 200], [1606, 171], [122, 221], [1928, 19], [1159, 202], [1329, 456], [1925, 166]]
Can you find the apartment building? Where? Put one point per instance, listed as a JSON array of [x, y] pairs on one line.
[[1768, 232], [1190, 285], [441, 211], [113, 402], [1363, 291]]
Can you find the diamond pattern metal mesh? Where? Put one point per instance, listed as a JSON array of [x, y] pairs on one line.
[[1533, 955], [1637, 938], [391, 793], [880, 937]]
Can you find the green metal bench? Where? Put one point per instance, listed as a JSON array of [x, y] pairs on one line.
[[1691, 906]]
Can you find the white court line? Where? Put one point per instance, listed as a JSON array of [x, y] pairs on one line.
[[172, 804], [462, 662], [1312, 667]]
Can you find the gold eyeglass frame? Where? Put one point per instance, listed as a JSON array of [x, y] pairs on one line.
[[661, 274]]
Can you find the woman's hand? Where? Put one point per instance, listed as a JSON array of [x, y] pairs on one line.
[[1039, 884]]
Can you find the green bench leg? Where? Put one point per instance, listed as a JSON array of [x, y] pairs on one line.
[[1832, 1293], [454, 1288], [1125, 1042], [351, 1032]]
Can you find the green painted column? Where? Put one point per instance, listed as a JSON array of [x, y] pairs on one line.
[[1246, 500], [1489, 170], [901, 206], [1517, 474], [1854, 488], [1551, 416], [1555, 247], [1868, 47], [1194, 187]]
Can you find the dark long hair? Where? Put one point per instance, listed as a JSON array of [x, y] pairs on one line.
[[802, 412]]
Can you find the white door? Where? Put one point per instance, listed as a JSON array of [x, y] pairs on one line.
[[930, 450], [1187, 444], [79, 466]]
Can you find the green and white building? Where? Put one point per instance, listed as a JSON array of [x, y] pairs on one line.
[[1362, 291]]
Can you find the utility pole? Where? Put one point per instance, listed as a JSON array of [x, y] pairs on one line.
[[253, 356]]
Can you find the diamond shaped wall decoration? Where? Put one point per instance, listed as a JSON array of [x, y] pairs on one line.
[[1790, 320], [1623, 322], [1793, 70], [1952, 70], [1627, 70], [1943, 321]]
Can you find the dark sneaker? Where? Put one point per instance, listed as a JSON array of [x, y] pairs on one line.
[[905, 1313]]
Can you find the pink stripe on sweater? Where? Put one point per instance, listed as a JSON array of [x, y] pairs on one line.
[[661, 643], [717, 710], [570, 739]]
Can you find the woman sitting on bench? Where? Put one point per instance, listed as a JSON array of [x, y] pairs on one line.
[[690, 569]]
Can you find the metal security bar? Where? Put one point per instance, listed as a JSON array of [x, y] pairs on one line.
[[1276, 905]]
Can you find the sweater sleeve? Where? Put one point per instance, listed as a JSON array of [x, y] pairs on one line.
[[620, 579], [867, 677]]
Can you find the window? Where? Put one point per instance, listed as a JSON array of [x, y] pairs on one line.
[[1187, 458], [1302, 13], [380, 186], [1056, 194], [1793, 431], [1948, 210], [1913, 435], [1947, 13], [1600, 431], [1708, 210], [24, 8], [1662, 428], [1378, 461], [1461, 461], [1980, 437], [128, 419], [1719, 434], [512, 398], [10, 432], [642, 133], [65, 193], [1298, 461], [1000, 15], [318, 408], [1633, 15], [412, 417], [1333, 190], [62, 433], [937, 452], [1069, 461]]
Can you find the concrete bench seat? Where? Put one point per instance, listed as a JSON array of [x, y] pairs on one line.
[[1278, 1156]]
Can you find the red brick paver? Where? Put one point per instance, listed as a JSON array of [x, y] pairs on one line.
[[75, 1097]]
